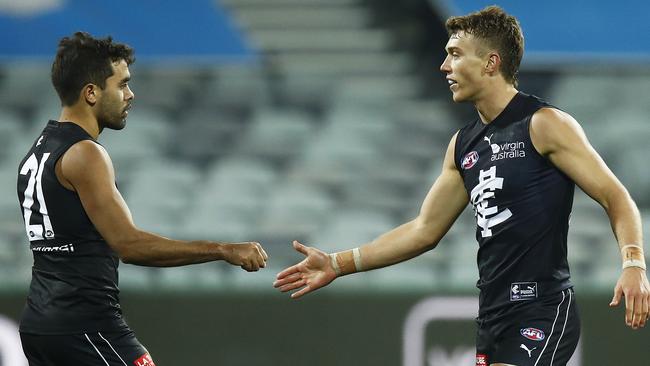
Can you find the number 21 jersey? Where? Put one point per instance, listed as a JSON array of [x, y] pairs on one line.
[[74, 277]]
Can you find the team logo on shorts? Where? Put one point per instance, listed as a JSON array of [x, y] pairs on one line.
[[533, 334], [481, 360], [470, 160], [144, 360]]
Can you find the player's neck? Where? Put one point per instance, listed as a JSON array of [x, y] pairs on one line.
[[495, 100], [84, 118]]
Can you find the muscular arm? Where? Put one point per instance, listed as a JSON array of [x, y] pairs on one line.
[[87, 169], [442, 205], [560, 138]]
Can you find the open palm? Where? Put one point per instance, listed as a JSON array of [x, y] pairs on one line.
[[314, 272]]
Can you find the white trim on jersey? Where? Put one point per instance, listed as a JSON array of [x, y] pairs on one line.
[[548, 340], [117, 354], [99, 353], [563, 327]]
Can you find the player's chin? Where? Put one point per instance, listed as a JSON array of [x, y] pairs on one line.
[[458, 97], [117, 125]]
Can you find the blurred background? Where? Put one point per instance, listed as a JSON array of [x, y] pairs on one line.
[[324, 121]]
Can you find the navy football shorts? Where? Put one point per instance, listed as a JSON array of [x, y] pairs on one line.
[[540, 333], [89, 349]]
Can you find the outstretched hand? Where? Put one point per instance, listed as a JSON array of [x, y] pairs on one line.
[[314, 272], [633, 285]]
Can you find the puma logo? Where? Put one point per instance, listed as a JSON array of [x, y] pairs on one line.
[[523, 346], [487, 138], [495, 147], [39, 141]]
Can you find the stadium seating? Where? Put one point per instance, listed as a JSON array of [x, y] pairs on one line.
[[328, 139]]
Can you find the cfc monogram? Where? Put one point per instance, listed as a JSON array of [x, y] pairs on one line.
[[486, 216]]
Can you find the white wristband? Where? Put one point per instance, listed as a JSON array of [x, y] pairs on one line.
[[356, 255], [634, 263], [631, 246], [335, 264]]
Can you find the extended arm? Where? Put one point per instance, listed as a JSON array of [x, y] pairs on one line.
[[87, 169], [442, 205], [559, 137]]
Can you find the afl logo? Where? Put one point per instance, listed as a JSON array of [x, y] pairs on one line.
[[533, 334], [470, 160]]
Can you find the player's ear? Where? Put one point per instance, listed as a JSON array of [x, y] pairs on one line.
[[89, 93], [492, 63]]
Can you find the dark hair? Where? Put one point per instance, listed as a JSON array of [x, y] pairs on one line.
[[499, 31], [82, 59]]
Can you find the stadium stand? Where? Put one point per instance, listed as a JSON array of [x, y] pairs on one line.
[[332, 137]]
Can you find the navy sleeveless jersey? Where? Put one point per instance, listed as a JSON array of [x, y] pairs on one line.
[[522, 205], [74, 277]]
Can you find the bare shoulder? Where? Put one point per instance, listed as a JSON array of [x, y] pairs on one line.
[[86, 152], [450, 154], [551, 129], [83, 159], [549, 115], [452, 142]]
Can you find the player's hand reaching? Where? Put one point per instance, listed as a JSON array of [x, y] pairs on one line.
[[633, 284], [314, 272], [248, 255]]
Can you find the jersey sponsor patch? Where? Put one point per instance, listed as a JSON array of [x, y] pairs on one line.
[[144, 360], [533, 334], [523, 291], [481, 360], [55, 248], [506, 150], [470, 159], [509, 150]]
